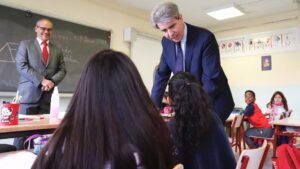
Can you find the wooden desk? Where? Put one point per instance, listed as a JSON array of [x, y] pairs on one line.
[[287, 122], [27, 128], [17, 160]]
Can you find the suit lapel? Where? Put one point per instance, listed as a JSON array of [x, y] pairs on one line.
[[51, 51], [173, 58], [189, 49], [170, 51]]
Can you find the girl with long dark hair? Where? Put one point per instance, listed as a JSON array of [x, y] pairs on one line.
[[197, 131], [111, 122]]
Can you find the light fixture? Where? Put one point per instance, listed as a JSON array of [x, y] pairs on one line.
[[224, 12]]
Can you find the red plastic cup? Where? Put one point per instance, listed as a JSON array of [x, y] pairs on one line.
[[9, 114]]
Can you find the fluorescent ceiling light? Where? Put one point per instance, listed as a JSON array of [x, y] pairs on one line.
[[224, 12]]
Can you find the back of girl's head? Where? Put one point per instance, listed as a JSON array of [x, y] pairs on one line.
[[193, 112], [110, 117], [284, 101]]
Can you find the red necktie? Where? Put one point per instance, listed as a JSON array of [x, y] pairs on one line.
[[45, 52]]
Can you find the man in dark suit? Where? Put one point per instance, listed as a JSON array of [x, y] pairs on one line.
[[191, 49], [41, 66]]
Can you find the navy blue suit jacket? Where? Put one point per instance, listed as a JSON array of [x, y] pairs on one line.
[[202, 59]]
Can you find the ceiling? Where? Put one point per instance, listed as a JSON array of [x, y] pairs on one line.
[[193, 11]]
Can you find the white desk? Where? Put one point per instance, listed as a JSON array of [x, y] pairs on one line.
[[17, 160], [287, 122]]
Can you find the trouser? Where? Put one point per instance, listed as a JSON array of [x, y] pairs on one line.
[[41, 107], [258, 132]]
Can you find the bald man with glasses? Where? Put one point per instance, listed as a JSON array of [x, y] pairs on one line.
[[41, 67]]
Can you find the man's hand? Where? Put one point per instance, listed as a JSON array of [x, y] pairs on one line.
[[47, 85]]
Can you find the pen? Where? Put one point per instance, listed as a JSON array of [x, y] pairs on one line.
[[26, 119], [30, 119]]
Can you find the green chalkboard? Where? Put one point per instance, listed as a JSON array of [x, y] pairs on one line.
[[77, 41]]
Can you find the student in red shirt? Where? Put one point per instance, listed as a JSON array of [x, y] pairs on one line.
[[261, 126]]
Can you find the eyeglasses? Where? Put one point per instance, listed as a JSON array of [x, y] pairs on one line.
[[44, 29]]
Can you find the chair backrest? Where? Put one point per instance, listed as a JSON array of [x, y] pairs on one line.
[[254, 158], [237, 121], [286, 114], [178, 166], [289, 113]]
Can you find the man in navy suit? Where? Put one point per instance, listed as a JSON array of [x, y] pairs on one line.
[[191, 49]]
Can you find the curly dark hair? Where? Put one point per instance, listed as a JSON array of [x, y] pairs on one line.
[[193, 111]]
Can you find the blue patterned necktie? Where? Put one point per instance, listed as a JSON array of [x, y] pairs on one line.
[[179, 58]]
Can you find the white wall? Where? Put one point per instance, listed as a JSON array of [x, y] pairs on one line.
[[145, 53], [244, 72]]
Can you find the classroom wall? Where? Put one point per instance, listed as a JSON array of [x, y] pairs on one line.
[[244, 72]]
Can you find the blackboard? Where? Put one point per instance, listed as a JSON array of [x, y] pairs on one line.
[[77, 41]]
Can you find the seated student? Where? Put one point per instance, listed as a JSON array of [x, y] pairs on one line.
[[278, 107], [197, 131], [111, 122], [261, 126]]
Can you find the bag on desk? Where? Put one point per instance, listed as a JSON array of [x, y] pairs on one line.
[[38, 141], [288, 157]]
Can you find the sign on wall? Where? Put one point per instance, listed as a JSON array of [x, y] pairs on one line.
[[258, 43], [266, 63]]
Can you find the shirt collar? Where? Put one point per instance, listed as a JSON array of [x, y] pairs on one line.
[[183, 40], [40, 41]]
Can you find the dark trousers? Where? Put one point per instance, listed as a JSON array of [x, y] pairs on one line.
[[41, 107], [259, 132]]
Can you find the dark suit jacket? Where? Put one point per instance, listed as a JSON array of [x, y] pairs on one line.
[[202, 59], [32, 69]]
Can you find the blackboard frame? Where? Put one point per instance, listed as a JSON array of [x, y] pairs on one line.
[[78, 42]]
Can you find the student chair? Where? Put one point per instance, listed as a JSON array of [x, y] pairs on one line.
[[253, 158], [236, 137], [7, 148]]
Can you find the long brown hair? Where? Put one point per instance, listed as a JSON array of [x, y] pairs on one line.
[[110, 117], [284, 101]]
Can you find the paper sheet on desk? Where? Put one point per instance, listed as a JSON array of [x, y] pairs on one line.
[[33, 117], [40, 116]]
